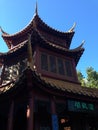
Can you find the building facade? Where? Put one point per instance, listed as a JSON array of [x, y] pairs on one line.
[[39, 87]]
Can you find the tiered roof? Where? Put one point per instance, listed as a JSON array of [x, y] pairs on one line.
[[38, 38], [62, 38], [48, 38]]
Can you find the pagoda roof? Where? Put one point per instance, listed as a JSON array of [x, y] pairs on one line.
[[73, 53], [52, 86], [37, 23]]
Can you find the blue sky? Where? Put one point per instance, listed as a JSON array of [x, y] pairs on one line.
[[61, 15]]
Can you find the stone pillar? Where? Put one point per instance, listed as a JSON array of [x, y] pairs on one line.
[[30, 113], [54, 115], [10, 116]]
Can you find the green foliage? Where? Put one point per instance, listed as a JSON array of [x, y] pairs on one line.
[[91, 80], [92, 77], [81, 78]]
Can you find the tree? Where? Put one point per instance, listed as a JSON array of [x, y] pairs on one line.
[[81, 78], [92, 77], [91, 80]]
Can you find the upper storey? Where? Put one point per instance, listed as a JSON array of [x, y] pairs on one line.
[[49, 51], [49, 34]]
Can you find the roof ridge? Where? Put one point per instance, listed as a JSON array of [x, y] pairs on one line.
[[32, 21]]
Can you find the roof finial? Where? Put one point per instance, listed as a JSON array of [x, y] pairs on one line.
[[36, 9]]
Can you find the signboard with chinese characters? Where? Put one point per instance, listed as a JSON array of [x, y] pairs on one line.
[[80, 106]]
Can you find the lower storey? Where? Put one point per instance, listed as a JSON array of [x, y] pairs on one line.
[[46, 121]]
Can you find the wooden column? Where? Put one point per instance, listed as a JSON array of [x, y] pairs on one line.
[[30, 113], [53, 107], [10, 116], [30, 107], [53, 114]]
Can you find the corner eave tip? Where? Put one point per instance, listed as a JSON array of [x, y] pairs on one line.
[[83, 41], [2, 31], [73, 27]]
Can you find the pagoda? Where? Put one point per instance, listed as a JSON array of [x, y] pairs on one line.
[[39, 87]]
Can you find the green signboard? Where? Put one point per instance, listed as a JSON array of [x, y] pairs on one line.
[[80, 106]]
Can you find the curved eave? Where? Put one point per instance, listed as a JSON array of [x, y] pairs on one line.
[[74, 53], [37, 23], [14, 49], [40, 23], [60, 88], [34, 22]]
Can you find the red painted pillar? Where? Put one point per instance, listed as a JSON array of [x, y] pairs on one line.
[[30, 113], [54, 116], [30, 107], [10, 116]]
